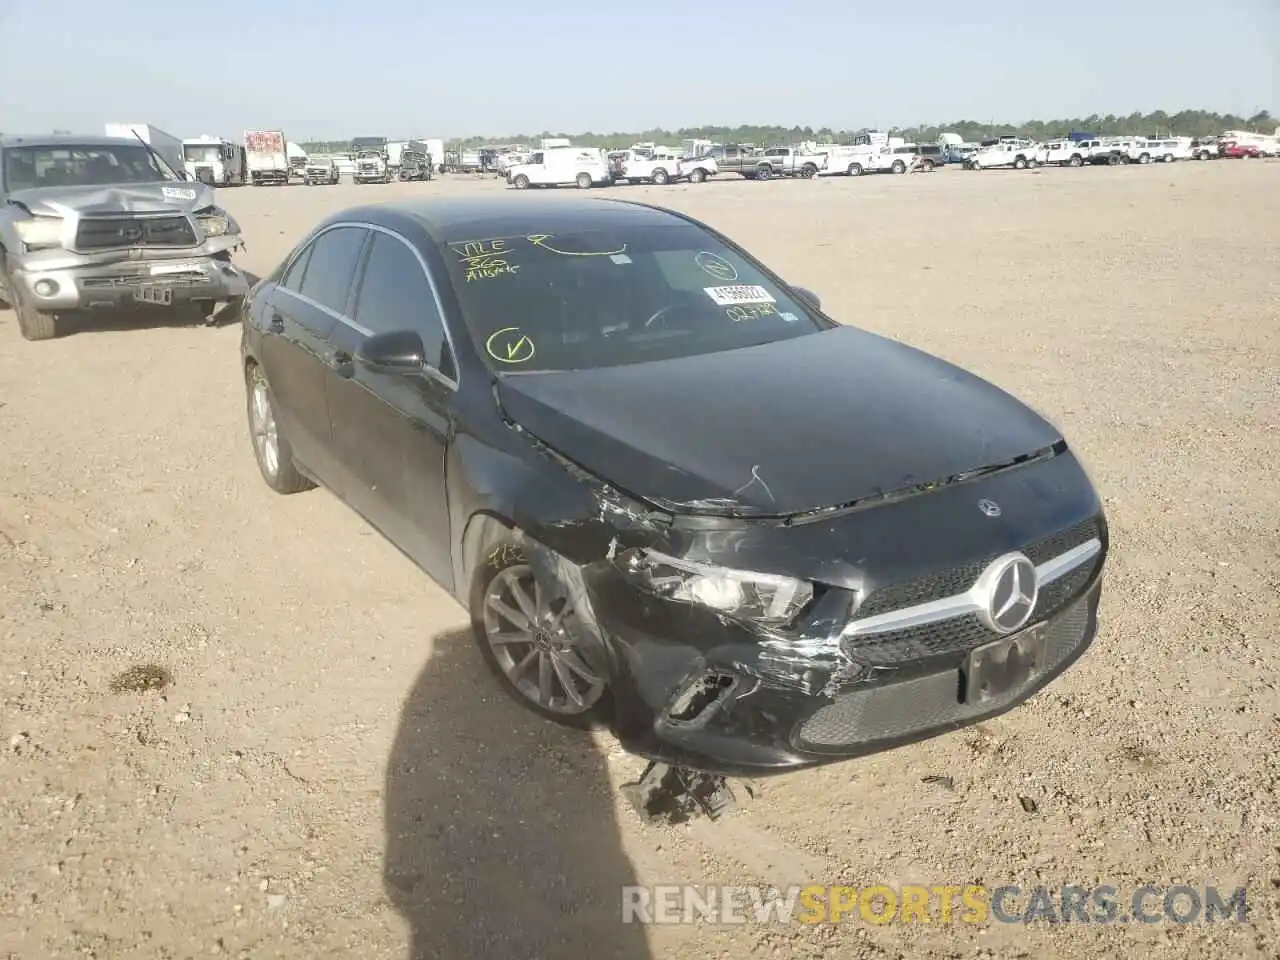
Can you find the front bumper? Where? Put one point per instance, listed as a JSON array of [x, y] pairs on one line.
[[61, 285], [726, 716]]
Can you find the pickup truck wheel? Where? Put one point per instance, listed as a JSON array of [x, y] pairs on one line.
[[855, 170], [521, 182], [1145, 158], [660, 176], [764, 172], [1168, 158], [898, 167], [1033, 163], [926, 166], [1020, 164], [808, 171], [698, 176], [584, 181], [31, 324], [1076, 160]]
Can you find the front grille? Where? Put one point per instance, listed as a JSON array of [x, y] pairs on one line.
[[185, 279], [862, 717], [955, 580], [103, 233], [949, 638]]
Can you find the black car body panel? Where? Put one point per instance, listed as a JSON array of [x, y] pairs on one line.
[[884, 478], [727, 428]]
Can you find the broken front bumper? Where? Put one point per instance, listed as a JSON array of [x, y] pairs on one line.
[[730, 715], [64, 282]]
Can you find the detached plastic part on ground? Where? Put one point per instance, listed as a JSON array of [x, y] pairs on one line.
[[666, 793]]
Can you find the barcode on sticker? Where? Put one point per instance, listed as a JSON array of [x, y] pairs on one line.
[[743, 293]]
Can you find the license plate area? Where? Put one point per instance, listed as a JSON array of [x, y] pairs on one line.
[[998, 668], [156, 293]]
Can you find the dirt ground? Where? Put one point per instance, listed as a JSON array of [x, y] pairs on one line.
[[331, 773]]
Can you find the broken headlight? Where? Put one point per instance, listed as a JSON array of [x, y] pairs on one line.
[[763, 597], [39, 233], [216, 222]]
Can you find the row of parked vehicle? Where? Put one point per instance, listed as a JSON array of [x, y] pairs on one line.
[[1019, 154]]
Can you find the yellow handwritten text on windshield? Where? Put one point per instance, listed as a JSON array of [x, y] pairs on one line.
[[749, 311], [485, 259], [540, 240]]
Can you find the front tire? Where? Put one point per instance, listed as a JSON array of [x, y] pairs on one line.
[[855, 170], [525, 637], [584, 181], [270, 446], [521, 182], [698, 176], [898, 167], [32, 324]]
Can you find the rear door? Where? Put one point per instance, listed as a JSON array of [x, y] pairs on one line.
[[392, 431], [296, 322]]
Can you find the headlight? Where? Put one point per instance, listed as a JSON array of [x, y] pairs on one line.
[[40, 231], [762, 597], [216, 223]]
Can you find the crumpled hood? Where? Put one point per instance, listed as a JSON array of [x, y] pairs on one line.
[[778, 429], [179, 196]]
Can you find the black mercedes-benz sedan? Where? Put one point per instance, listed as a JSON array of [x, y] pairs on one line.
[[674, 495]]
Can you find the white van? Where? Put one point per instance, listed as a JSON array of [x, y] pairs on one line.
[[583, 166]]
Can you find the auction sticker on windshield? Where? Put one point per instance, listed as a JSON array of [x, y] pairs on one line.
[[744, 293]]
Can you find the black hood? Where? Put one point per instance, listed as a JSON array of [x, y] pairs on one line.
[[777, 429]]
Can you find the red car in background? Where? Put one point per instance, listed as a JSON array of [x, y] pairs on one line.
[[1239, 151]]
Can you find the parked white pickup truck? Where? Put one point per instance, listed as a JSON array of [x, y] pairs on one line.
[[635, 166], [867, 158], [1017, 154]]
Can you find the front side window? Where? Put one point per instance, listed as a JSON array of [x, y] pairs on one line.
[[396, 295], [609, 297]]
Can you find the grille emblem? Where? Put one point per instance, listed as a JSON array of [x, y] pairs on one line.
[[989, 507], [131, 232], [1008, 590]]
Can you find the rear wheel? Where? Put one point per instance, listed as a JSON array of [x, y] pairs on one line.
[[899, 167], [1168, 158], [808, 171], [526, 635], [1144, 158], [1020, 164], [855, 170], [926, 166], [521, 182], [584, 181], [698, 175], [1033, 163], [270, 446], [764, 172], [660, 176], [1076, 160]]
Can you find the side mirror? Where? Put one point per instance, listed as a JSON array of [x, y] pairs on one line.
[[399, 351], [808, 296]]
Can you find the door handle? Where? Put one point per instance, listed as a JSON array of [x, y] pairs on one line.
[[275, 322], [341, 363]]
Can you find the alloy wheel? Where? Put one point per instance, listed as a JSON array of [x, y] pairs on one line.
[[262, 421], [528, 633]]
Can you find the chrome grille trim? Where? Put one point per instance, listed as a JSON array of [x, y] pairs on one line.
[[962, 604]]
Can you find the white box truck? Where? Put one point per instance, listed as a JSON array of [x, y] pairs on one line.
[[267, 153], [165, 144]]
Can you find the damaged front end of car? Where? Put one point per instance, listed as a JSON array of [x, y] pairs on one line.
[[149, 244], [742, 645]]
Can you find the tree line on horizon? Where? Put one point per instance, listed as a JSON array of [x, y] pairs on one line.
[[1185, 123]]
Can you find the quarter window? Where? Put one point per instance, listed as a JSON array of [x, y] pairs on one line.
[[332, 264], [396, 295], [292, 279]]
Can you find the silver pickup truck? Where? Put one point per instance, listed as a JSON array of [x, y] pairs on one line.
[[88, 222], [767, 164]]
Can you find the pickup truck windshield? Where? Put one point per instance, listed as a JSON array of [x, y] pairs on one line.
[[69, 165], [605, 298]]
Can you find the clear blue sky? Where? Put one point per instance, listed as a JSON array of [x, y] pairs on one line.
[[322, 69]]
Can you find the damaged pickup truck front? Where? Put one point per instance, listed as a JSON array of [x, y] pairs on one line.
[[89, 222], [674, 495]]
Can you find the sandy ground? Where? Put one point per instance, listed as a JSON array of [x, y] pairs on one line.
[[325, 698]]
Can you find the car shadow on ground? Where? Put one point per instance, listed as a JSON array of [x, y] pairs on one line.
[[501, 839]]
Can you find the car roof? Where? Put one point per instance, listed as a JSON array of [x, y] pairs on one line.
[[60, 139], [463, 219]]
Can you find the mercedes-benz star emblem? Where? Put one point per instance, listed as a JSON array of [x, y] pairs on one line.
[[1008, 589], [989, 507]]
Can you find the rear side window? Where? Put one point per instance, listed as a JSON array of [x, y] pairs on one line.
[[292, 279], [332, 264], [396, 295]]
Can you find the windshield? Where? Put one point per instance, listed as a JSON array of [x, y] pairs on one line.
[[206, 153], [69, 165], [611, 297]]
